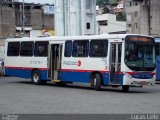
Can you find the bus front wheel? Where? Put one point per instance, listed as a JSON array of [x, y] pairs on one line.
[[125, 88], [97, 82], [36, 77]]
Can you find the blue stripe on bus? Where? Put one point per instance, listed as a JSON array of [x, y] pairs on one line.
[[83, 77], [24, 73]]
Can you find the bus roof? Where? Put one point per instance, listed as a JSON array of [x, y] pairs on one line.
[[103, 36]]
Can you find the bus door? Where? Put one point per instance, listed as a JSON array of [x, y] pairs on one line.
[[115, 63], [55, 61]]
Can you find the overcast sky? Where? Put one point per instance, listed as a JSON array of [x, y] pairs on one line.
[[38, 1]]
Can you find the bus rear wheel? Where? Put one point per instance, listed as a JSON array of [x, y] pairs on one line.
[[36, 78], [125, 88], [96, 82]]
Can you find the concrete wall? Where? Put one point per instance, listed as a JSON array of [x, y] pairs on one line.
[[8, 21], [143, 20], [48, 22], [155, 18], [112, 24], [36, 19], [0, 17], [75, 17], [148, 20]]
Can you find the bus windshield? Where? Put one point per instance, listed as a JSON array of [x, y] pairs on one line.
[[140, 53]]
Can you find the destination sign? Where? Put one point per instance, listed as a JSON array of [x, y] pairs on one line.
[[139, 38]]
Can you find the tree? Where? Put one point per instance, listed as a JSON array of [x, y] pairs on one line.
[[121, 16], [102, 2]]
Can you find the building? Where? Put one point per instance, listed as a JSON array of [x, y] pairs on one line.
[[35, 19], [143, 17], [119, 8], [107, 23], [75, 17]]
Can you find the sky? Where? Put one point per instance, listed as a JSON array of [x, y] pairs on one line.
[[38, 1]]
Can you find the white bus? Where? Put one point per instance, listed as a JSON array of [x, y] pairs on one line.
[[101, 60]]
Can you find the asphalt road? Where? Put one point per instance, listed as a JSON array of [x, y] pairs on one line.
[[19, 96]]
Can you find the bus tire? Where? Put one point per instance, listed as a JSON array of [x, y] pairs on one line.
[[92, 81], [125, 88], [36, 77], [97, 82]]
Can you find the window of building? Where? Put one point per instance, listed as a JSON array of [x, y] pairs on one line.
[[135, 25], [98, 48], [80, 48], [88, 26], [130, 4], [13, 49], [68, 48], [103, 22], [26, 48], [136, 4], [129, 17], [135, 14], [41, 49]]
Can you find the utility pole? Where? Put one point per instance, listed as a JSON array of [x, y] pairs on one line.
[[149, 16], [23, 17], [0, 17], [147, 5]]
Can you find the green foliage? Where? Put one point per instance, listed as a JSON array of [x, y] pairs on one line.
[[113, 2], [121, 17], [102, 2], [105, 2]]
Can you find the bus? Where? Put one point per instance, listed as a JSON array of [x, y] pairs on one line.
[[101, 60], [157, 40]]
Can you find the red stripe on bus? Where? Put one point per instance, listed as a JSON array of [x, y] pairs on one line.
[[134, 73], [75, 70], [118, 73], [25, 68]]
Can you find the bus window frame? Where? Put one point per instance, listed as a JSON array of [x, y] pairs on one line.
[[106, 51], [75, 50], [22, 50], [12, 49]]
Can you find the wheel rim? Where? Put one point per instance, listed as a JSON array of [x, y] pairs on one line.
[[35, 78]]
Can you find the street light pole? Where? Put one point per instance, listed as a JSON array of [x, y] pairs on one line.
[[23, 19]]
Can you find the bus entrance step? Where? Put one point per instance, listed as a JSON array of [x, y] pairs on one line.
[[55, 81]]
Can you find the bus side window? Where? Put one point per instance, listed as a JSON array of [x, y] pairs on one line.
[[13, 49], [98, 48], [80, 48], [26, 48], [68, 48], [41, 49]]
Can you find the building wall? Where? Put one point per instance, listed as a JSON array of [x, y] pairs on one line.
[[0, 19], [155, 18], [133, 17], [11, 19], [75, 17], [147, 20], [8, 21], [48, 22], [143, 20], [106, 23], [36, 19]]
